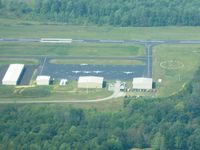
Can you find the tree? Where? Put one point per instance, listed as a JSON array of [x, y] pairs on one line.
[[76, 116], [158, 142], [194, 140], [38, 6], [1, 4]]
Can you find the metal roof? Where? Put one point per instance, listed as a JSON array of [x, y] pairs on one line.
[[90, 79], [142, 83], [142, 80], [13, 73], [43, 78]]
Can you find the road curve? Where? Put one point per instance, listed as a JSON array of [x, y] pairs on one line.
[[147, 43], [115, 94]]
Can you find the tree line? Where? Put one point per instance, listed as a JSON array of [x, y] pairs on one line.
[[108, 12], [160, 124]]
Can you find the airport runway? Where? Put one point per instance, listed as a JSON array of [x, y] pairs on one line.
[[149, 44], [142, 42]]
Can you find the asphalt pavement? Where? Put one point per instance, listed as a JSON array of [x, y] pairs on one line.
[[149, 44], [142, 42]]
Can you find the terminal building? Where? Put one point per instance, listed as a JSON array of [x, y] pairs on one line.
[[142, 83], [43, 80], [90, 82], [13, 74]]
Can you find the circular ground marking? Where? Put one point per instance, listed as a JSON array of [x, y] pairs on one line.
[[171, 64]]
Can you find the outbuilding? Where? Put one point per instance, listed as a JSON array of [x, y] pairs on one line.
[[13, 74], [142, 83], [63, 82], [90, 82], [43, 80]]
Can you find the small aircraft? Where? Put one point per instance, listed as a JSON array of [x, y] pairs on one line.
[[97, 72], [128, 72], [76, 72], [83, 64], [87, 72]]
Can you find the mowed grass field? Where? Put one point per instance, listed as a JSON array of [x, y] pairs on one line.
[[62, 93], [74, 49], [52, 92], [15, 28], [172, 79], [175, 65], [68, 92], [97, 61], [27, 61], [18, 28]]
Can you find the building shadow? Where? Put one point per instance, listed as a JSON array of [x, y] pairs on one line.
[[154, 85], [104, 84], [19, 82]]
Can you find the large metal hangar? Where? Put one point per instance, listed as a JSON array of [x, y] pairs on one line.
[[90, 82], [13, 74], [142, 83]]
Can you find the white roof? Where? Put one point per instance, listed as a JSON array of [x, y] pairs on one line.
[[63, 81], [13, 73], [142, 83], [91, 79], [46, 78], [142, 80]]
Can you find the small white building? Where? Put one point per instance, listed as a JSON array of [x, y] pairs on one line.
[[63, 82], [142, 83], [13, 74], [43, 80], [90, 82]]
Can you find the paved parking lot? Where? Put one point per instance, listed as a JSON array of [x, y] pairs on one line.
[[3, 69], [27, 74], [109, 72]]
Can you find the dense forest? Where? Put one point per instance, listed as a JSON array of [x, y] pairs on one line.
[[109, 12], [161, 124], [167, 123]]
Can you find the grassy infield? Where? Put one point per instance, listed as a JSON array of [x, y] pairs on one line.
[[173, 80]]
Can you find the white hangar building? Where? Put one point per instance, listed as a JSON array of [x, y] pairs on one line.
[[13, 74], [90, 82], [142, 83], [43, 80]]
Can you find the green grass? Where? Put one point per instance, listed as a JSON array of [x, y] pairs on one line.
[[96, 61], [52, 92], [30, 49], [174, 80], [6, 91], [19, 61], [71, 92], [140, 149], [80, 94], [18, 28], [111, 105], [56, 92], [10, 93]]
